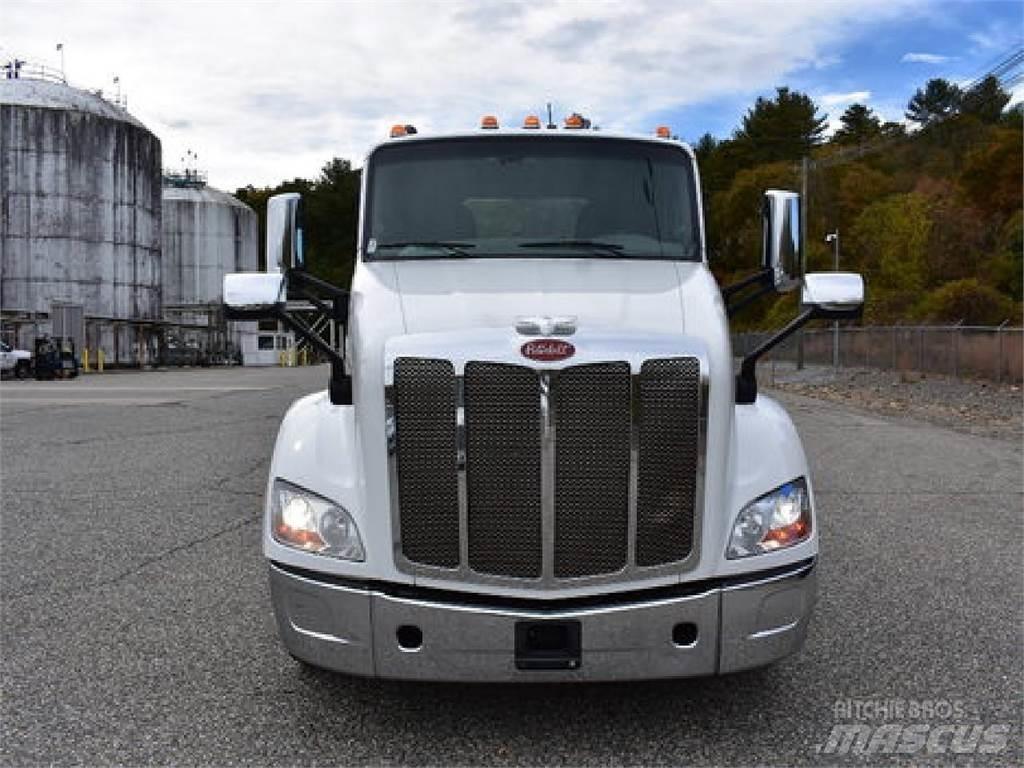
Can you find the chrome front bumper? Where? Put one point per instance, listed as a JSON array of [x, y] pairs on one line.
[[354, 629]]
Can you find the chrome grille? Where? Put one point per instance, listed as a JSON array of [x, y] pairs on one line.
[[425, 451], [666, 484], [587, 473], [503, 472], [592, 458]]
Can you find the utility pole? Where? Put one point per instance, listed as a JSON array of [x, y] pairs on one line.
[[804, 167], [833, 238]]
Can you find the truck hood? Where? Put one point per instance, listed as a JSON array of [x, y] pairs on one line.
[[487, 293]]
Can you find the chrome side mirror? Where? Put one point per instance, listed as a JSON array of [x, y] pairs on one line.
[[783, 250], [833, 295], [284, 232], [258, 294]]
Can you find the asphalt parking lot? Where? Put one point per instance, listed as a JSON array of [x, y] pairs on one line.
[[136, 626]]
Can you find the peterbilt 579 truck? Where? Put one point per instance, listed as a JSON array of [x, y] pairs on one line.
[[535, 459]]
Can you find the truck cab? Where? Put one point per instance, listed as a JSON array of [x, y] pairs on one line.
[[534, 459]]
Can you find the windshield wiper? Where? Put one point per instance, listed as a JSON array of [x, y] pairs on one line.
[[607, 249], [453, 248]]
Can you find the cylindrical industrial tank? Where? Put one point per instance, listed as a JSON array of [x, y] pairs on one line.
[[80, 183], [206, 234]]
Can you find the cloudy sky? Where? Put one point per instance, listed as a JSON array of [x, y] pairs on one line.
[[264, 91]]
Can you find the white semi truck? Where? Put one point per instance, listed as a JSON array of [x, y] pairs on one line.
[[534, 459]]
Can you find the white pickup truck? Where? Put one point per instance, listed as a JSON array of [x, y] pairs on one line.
[[17, 362], [535, 460]]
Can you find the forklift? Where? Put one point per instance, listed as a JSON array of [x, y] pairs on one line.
[[55, 358]]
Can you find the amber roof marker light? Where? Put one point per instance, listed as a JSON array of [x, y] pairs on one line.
[[489, 122], [531, 121], [397, 131], [663, 132], [576, 121]]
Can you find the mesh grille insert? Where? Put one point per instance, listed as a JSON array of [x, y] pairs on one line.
[[503, 469], [424, 393], [669, 413], [592, 407]]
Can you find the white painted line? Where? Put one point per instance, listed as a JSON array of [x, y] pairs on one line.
[[61, 385], [88, 401]]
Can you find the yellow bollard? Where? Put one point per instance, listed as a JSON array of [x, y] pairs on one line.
[[99, 360], [85, 360]]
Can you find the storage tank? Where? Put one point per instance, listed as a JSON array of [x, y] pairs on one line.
[[80, 224], [206, 234]]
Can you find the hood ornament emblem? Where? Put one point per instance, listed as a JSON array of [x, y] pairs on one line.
[[546, 325], [547, 350]]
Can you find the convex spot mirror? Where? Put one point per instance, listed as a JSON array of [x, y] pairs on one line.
[[782, 252], [254, 291], [833, 295]]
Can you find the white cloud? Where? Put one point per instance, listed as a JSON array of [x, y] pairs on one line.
[[270, 91], [836, 99], [995, 36], [925, 58], [828, 60]]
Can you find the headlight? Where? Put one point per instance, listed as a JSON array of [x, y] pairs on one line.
[[305, 521], [778, 519]]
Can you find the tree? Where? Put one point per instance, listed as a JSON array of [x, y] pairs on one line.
[[859, 125], [986, 100], [889, 242], [734, 224], [892, 130], [966, 300], [331, 217], [991, 174], [787, 128], [938, 100]]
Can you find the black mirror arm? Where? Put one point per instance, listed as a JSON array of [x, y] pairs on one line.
[[304, 279], [761, 280], [746, 379], [308, 287], [761, 277], [340, 388]]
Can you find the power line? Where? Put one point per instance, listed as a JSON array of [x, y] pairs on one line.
[[1000, 71]]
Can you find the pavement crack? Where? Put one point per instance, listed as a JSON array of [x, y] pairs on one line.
[[146, 562]]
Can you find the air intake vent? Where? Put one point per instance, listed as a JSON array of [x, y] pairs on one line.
[[428, 488], [592, 458], [669, 402], [503, 471]]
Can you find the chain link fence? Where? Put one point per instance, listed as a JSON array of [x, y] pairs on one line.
[[983, 352]]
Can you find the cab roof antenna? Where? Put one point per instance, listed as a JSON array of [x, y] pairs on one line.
[[551, 123]]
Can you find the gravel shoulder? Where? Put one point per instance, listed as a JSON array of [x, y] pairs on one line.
[[972, 407]]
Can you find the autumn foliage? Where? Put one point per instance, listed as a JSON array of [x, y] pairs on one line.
[[930, 216]]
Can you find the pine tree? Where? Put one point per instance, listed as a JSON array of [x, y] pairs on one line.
[[986, 100], [938, 100], [784, 128], [859, 125]]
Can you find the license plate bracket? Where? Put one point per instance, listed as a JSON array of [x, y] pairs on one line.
[[548, 644]]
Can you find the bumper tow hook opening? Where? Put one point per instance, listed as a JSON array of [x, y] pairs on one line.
[[684, 634], [410, 637]]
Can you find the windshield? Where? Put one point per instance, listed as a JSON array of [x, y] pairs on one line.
[[531, 196]]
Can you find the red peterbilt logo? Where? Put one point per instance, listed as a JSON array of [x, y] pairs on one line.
[[547, 350]]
